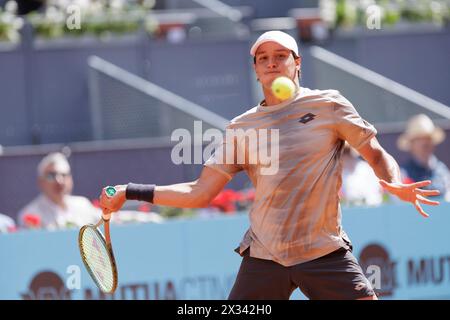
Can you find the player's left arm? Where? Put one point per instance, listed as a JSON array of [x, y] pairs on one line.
[[388, 171]]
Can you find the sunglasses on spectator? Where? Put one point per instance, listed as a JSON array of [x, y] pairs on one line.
[[51, 176]]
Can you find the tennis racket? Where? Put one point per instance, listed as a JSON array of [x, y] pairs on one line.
[[96, 251]]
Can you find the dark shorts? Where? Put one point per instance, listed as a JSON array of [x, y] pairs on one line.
[[334, 276]]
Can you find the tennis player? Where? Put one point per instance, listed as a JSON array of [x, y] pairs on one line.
[[295, 239]]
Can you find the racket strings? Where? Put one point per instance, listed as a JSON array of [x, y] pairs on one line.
[[98, 260]]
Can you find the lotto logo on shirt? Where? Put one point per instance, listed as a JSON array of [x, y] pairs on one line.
[[235, 147]]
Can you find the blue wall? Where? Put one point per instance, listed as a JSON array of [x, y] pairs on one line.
[[45, 94], [45, 97], [15, 108], [415, 58], [214, 74], [194, 259]]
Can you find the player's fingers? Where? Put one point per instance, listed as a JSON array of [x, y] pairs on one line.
[[104, 190], [427, 201], [420, 184], [419, 208], [385, 184], [103, 198], [105, 201], [428, 192]]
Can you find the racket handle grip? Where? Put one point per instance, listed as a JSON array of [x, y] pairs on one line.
[[106, 215]]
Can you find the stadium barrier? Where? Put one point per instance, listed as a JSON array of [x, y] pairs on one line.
[[404, 255]]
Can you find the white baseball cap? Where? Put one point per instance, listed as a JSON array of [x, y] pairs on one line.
[[279, 37]]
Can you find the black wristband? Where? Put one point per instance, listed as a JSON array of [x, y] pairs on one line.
[[141, 192]]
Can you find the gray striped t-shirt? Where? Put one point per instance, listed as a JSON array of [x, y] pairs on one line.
[[296, 216]]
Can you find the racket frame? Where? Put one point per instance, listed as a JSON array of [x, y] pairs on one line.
[[106, 241]]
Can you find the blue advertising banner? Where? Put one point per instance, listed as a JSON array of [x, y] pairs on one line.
[[404, 255]]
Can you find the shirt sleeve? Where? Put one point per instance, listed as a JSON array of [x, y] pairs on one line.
[[224, 158], [349, 124]]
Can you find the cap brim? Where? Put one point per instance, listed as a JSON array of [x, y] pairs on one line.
[[255, 47], [257, 44]]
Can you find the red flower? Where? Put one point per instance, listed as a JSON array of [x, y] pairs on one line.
[[96, 203], [225, 200], [31, 220], [145, 207], [230, 201]]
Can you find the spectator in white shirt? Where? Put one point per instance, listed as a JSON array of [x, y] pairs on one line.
[[360, 185], [55, 207]]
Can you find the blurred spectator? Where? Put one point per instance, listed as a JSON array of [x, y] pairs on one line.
[[360, 185], [6, 224], [419, 139], [55, 207]]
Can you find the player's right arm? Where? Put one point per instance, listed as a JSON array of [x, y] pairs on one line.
[[194, 194]]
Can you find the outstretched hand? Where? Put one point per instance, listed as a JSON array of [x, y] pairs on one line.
[[411, 193]]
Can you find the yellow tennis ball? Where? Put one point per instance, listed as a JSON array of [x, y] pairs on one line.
[[283, 88]]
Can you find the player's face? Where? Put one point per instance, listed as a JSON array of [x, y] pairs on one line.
[[55, 183], [273, 61]]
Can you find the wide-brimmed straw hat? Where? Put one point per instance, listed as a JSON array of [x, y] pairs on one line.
[[420, 126]]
